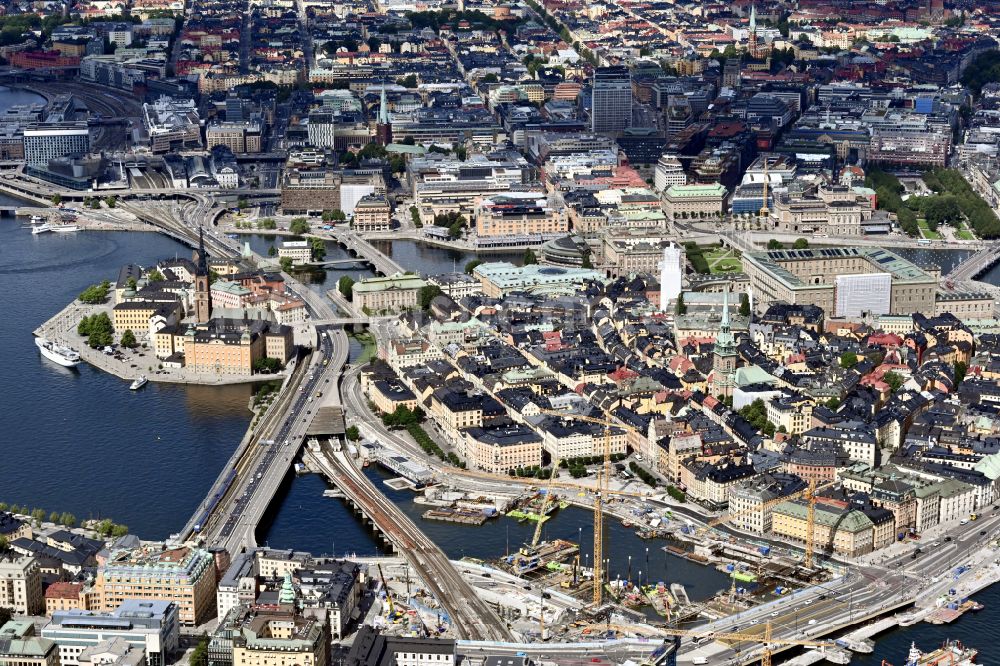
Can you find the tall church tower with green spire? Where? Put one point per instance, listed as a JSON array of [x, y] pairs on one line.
[[724, 357]]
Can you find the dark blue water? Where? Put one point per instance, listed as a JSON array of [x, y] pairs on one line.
[[78, 440]]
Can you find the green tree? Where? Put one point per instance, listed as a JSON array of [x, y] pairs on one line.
[[242, 204], [67, 519], [408, 81], [156, 276], [744, 305], [267, 364], [110, 201], [680, 308], [119, 531], [54, 517], [337, 215], [56, 199], [95, 294], [272, 251], [774, 245], [5, 614], [4, 506], [318, 248], [848, 360], [529, 257], [352, 433], [199, 656], [427, 294], [472, 265], [960, 369], [267, 223], [800, 244], [132, 283], [128, 339], [894, 380], [833, 403], [299, 226], [286, 264], [38, 515], [346, 286]]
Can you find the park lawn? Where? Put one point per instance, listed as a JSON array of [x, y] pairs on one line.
[[963, 233], [722, 260], [925, 230], [727, 265]]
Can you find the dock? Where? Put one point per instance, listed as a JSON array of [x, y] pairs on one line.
[[452, 515]]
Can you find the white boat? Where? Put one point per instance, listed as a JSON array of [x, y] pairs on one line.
[[64, 356], [37, 219], [64, 228], [138, 383], [40, 228]]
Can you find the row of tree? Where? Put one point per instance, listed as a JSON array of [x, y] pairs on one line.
[[95, 293], [65, 518]]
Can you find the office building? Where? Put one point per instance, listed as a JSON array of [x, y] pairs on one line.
[[611, 106], [183, 575], [49, 141], [21, 584], [19, 646], [862, 293], [810, 277], [372, 213], [149, 625], [387, 294], [269, 636], [671, 271]]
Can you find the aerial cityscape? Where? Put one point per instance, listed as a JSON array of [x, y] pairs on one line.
[[478, 333]]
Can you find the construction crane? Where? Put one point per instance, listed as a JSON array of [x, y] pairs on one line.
[[545, 505], [599, 498], [388, 594], [807, 559], [729, 516], [766, 638]]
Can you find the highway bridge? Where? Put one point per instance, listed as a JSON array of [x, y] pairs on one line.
[[359, 247], [976, 264], [471, 617]]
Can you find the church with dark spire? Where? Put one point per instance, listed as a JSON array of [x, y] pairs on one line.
[[202, 293], [383, 127]]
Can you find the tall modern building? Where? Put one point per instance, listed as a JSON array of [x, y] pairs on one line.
[[47, 141], [611, 108], [670, 275]]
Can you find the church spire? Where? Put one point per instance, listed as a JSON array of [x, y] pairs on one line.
[[753, 18], [383, 108], [202, 258]]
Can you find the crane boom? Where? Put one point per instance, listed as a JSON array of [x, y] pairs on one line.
[[545, 504], [388, 594], [764, 637]]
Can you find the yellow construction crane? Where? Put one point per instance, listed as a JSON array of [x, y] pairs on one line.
[[545, 505], [599, 498], [733, 515], [807, 560], [765, 638], [388, 592]]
